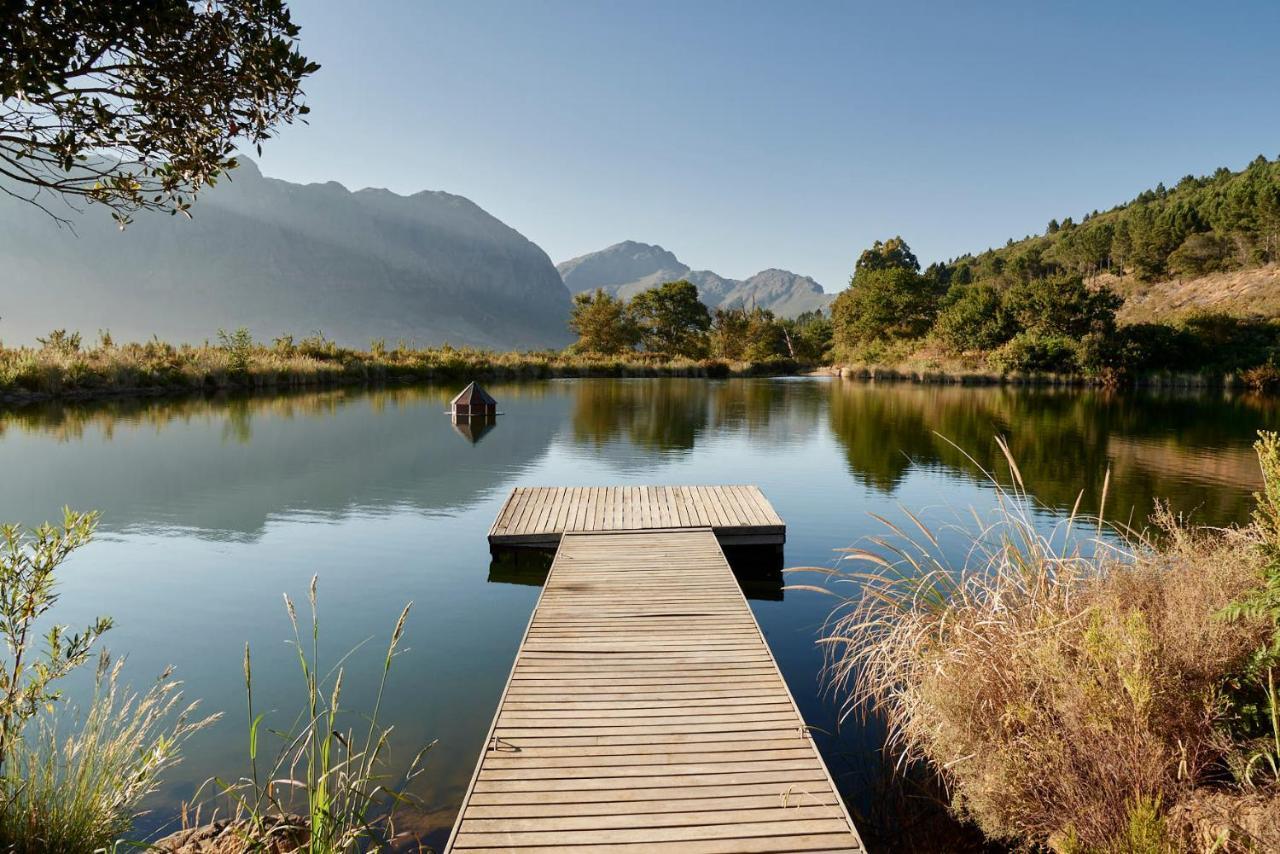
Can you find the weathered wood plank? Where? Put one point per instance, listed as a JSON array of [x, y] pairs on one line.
[[539, 516], [644, 710]]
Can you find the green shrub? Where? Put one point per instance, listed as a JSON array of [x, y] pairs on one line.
[[1030, 352], [1225, 343], [62, 342], [1061, 306], [974, 318], [239, 348], [28, 560], [1199, 254]]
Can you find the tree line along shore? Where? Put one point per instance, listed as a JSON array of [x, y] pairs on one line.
[[1049, 308]]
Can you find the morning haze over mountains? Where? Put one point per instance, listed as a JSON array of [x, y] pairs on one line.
[[625, 269], [283, 258]]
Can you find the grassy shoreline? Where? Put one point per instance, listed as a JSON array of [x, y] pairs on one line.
[[1082, 688], [61, 369], [963, 376]]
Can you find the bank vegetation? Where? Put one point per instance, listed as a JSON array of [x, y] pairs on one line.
[[1080, 687], [61, 365]]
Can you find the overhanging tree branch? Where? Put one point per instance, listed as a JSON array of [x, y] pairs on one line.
[[139, 104]]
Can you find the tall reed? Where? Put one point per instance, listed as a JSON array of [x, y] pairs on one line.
[[330, 773], [75, 783], [1064, 680]]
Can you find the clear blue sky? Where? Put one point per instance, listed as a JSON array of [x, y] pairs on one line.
[[744, 135]]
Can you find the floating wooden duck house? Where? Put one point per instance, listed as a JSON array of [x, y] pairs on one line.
[[473, 401], [473, 428]]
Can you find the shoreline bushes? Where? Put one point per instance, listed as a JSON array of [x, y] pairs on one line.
[[1082, 693], [1046, 302], [65, 368], [1034, 322]]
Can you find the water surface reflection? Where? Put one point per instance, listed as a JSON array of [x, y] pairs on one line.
[[213, 507]]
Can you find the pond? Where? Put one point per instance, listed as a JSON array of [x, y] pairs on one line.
[[214, 508]]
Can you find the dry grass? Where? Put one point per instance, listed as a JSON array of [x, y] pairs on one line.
[[1066, 686], [76, 786], [63, 367], [1254, 292]]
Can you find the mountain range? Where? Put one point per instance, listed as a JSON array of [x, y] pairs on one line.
[[282, 258], [624, 269], [278, 257]]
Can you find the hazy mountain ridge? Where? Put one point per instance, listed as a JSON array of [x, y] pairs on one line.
[[279, 257], [624, 269]]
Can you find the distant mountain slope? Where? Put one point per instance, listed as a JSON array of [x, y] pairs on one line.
[[277, 258], [627, 268]]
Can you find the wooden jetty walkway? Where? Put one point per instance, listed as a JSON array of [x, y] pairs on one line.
[[645, 712], [538, 515]]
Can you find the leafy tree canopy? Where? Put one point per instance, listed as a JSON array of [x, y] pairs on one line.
[[882, 304], [672, 319], [891, 254], [975, 318], [752, 335], [138, 104], [1062, 305], [808, 337], [603, 323], [1224, 221]]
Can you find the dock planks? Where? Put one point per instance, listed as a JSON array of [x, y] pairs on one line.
[[645, 712], [539, 515]]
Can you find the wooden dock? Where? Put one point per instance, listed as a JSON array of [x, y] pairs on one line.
[[538, 516], [645, 712]]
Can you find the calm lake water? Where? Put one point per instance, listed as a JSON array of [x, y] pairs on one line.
[[211, 509]]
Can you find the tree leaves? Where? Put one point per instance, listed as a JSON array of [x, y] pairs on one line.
[[139, 105]]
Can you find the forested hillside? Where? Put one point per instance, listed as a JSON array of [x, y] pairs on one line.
[[1219, 222], [1180, 279]]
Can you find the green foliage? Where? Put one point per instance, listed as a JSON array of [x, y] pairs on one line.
[[603, 324], [808, 337], [891, 254], [1061, 306], [167, 89], [974, 318], [61, 342], [1035, 352], [335, 768], [1225, 343], [1200, 254], [239, 348], [1222, 221], [67, 790], [1265, 600], [76, 786], [672, 320], [317, 346], [753, 335], [1252, 693], [28, 560], [882, 303]]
